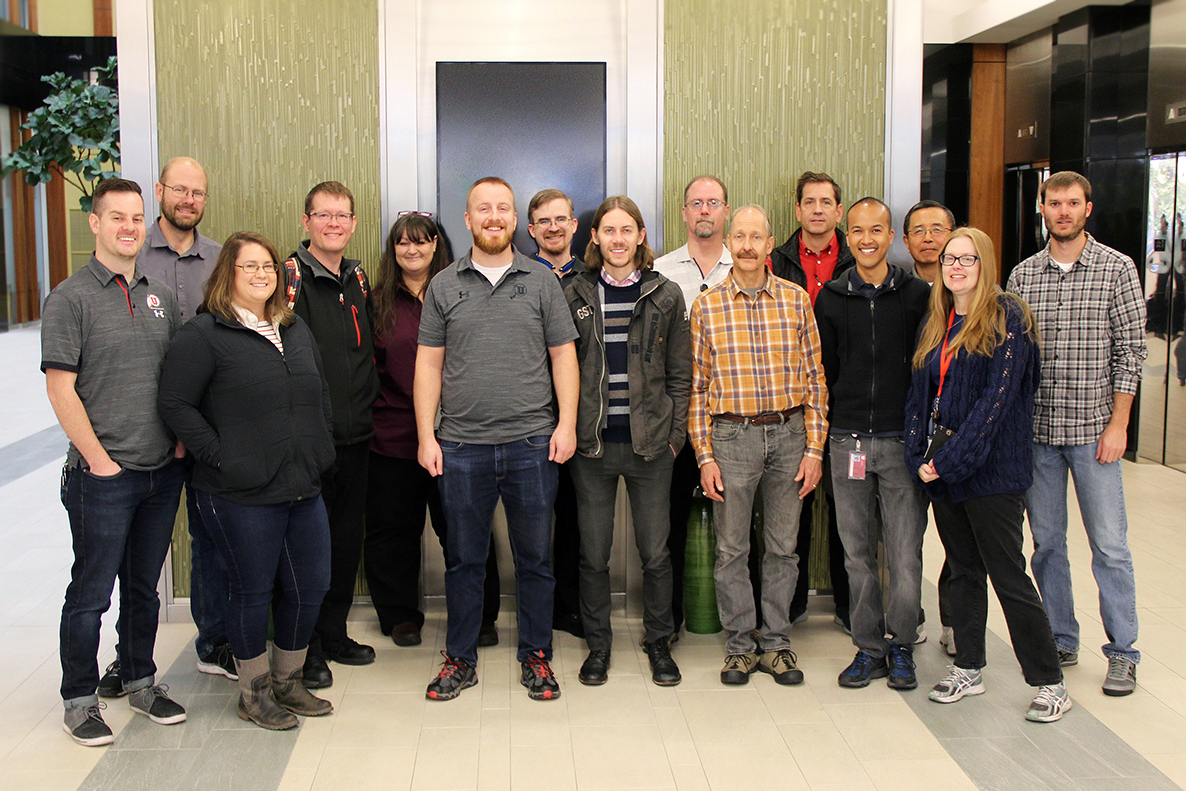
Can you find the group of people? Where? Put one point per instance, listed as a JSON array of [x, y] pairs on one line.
[[307, 413]]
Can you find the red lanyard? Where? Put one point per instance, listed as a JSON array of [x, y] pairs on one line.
[[944, 357]]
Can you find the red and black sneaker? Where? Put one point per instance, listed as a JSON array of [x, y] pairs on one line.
[[455, 676], [538, 678]]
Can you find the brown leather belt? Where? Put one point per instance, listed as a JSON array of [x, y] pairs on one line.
[[764, 419]]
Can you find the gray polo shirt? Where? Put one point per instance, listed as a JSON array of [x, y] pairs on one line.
[[496, 386], [114, 336], [185, 274]]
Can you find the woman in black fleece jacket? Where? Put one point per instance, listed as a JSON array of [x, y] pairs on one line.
[[242, 388]]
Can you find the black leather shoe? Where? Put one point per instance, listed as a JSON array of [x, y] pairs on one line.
[[315, 674], [488, 635], [569, 622], [405, 634], [664, 670], [595, 670], [348, 652]]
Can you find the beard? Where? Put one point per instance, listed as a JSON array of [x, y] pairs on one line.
[[705, 229], [181, 223], [1070, 236], [492, 245]]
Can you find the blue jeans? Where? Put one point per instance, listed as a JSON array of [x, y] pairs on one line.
[[472, 480], [282, 547], [749, 455], [903, 521], [121, 528], [1100, 491], [208, 583]]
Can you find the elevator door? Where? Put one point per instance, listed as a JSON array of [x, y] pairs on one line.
[[1163, 389]]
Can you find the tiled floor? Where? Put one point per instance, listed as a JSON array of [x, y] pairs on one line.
[[626, 734]]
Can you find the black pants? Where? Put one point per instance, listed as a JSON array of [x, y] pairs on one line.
[[566, 549], [836, 568], [982, 537], [685, 477], [397, 494], [344, 489]]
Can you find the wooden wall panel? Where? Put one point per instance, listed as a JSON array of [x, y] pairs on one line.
[[987, 177]]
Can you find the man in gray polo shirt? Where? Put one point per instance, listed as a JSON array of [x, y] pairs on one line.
[[490, 324], [104, 333], [180, 257]]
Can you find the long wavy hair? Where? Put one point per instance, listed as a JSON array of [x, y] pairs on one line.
[[984, 326], [220, 287], [390, 282], [644, 256]]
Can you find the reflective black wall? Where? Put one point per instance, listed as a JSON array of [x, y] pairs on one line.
[[947, 126]]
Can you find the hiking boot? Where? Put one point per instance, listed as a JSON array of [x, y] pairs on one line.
[[538, 677], [664, 670], [86, 726], [959, 682], [219, 662], [110, 685], [901, 667], [864, 668], [154, 703], [1122, 677], [781, 665], [1051, 702], [738, 667], [595, 669], [455, 676]]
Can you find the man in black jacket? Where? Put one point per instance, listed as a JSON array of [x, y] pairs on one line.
[[868, 318], [333, 297], [811, 257]]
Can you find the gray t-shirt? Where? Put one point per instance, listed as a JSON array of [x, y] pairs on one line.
[[496, 386], [114, 335], [185, 274]]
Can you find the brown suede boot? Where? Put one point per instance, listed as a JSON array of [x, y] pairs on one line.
[[256, 702], [287, 671]]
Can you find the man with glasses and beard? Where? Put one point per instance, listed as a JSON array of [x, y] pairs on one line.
[[492, 322]]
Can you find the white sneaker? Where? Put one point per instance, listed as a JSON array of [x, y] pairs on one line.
[[921, 637], [959, 682], [947, 640], [1051, 702]]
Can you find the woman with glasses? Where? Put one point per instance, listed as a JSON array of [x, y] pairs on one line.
[[969, 423], [242, 388]]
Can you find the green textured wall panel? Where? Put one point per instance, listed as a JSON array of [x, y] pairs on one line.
[[756, 93]]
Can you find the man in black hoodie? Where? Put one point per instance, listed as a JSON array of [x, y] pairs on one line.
[[868, 318], [813, 255], [333, 298]]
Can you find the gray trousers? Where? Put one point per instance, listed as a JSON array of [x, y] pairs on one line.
[[648, 484], [749, 455], [902, 524]]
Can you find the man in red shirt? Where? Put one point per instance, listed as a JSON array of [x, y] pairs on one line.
[[812, 256]]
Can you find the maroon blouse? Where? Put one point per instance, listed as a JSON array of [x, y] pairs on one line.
[[395, 357]]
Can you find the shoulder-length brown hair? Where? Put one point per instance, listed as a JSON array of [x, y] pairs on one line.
[[644, 256], [419, 228], [220, 288], [984, 326]]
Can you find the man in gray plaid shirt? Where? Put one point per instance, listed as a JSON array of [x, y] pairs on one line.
[[1088, 304]]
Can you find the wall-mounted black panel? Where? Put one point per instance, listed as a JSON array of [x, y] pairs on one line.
[[947, 130], [1167, 75], [1027, 98]]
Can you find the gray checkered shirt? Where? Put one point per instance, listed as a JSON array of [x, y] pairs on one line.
[[1092, 322]]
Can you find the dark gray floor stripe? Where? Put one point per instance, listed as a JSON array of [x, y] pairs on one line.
[[20, 458], [989, 738]]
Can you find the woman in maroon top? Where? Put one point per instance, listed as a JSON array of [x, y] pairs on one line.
[[399, 489]]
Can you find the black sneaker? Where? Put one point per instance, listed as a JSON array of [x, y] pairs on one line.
[[487, 635], [455, 676], [538, 677], [901, 667], [348, 652], [595, 669], [153, 703], [85, 725], [863, 668], [664, 671], [219, 662], [110, 685]]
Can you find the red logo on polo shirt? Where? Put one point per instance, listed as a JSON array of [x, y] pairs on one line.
[[154, 301]]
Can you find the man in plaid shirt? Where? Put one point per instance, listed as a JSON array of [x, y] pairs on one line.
[[1088, 304], [756, 417]]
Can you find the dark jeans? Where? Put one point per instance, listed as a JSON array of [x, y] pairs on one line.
[[397, 494], [982, 537], [566, 547], [282, 548], [648, 484], [344, 489], [121, 528], [474, 477], [209, 587], [836, 568]]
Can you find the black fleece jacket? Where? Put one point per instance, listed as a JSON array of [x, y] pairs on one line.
[[257, 421], [867, 345], [784, 261]]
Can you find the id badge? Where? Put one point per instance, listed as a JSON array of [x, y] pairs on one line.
[[856, 466]]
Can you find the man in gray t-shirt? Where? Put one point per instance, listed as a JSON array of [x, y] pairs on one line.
[[104, 333], [491, 322]]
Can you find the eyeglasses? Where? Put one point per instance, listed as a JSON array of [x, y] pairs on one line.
[[417, 213], [324, 216], [935, 230], [546, 222], [965, 260], [698, 204], [186, 192], [251, 269]]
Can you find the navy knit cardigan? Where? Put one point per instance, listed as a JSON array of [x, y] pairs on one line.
[[989, 401]]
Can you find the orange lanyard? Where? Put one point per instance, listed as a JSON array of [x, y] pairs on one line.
[[945, 358]]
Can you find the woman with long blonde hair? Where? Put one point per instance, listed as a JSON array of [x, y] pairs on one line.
[[969, 426]]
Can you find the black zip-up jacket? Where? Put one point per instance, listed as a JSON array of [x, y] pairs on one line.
[[256, 421], [784, 261], [341, 318], [867, 346], [659, 366]]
